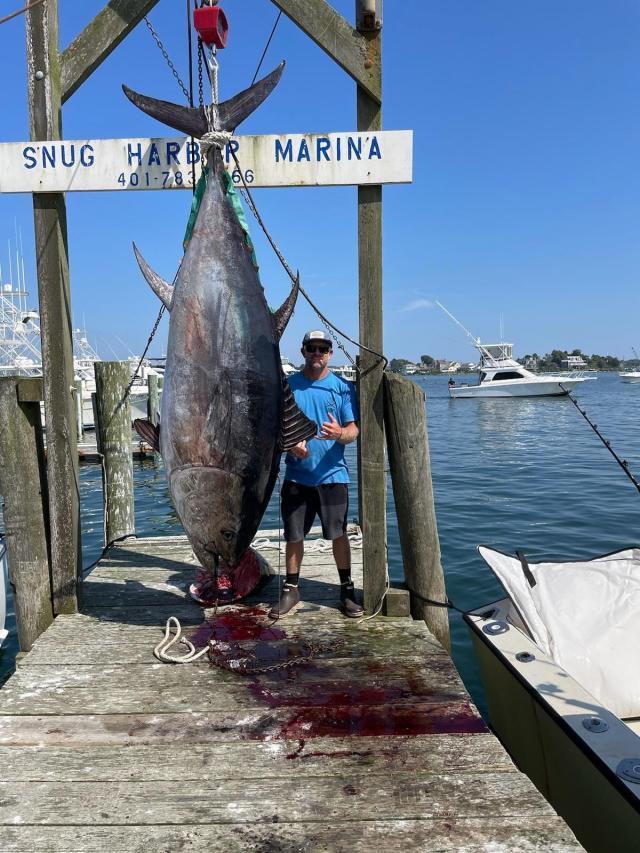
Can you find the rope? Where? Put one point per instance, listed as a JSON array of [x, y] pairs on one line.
[[621, 462], [266, 47], [20, 11], [161, 651]]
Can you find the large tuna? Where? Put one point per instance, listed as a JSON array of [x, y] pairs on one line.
[[227, 412]]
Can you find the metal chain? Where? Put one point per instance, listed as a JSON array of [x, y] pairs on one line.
[[151, 336], [200, 84], [156, 38], [242, 666]]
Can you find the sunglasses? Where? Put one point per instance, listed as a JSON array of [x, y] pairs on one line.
[[311, 348]]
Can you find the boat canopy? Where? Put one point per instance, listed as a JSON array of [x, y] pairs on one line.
[[583, 615]]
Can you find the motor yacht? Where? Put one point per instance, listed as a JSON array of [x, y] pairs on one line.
[[500, 375]]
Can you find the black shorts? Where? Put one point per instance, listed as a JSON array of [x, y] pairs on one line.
[[301, 504]]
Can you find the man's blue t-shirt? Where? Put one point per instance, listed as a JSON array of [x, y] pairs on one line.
[[325, 463]]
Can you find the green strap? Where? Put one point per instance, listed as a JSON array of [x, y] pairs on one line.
[[236, 204]]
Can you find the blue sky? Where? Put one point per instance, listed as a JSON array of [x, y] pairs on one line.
[[526, 194]]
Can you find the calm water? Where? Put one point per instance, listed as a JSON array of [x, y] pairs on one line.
[[528, 474]]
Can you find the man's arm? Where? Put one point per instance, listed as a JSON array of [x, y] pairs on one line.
[[349, 433]]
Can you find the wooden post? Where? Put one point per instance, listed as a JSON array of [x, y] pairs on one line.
[[113, 430], [50, 220], [371, 469], [408, 443], [153, 400], [23, 486], [79, 386]]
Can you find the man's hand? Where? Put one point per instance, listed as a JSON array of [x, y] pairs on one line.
[[300, 450], [331, 429]]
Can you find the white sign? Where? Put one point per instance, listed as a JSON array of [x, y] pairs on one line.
[[300, 160]]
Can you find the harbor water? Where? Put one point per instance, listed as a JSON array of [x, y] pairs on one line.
[[523, 473]]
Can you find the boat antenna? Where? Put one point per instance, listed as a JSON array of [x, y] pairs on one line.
[[476, 341]]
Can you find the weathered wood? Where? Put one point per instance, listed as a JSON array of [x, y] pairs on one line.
[[396, 602], [371, 467], [404, 796], [23, 487], [410, 466], [331, 32], [348, 683], [50, 220], [375, 731], [162, 762], [30, 389], [98, 39], [153, 400], [114, 428], [495, 832]]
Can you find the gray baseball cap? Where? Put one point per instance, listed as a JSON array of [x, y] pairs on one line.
[[317, 335]]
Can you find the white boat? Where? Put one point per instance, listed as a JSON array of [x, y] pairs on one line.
[[630, 375], [500, 375], [345, 371], [560, 663], [3, 591]]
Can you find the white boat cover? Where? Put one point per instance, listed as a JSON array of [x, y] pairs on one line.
[[585, 616]]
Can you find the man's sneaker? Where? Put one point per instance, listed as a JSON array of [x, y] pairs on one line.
[[289, 598], [348, 603]]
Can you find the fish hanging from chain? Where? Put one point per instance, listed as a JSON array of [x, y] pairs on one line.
[[227, 411]]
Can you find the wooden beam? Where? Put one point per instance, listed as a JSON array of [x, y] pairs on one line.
[[338, 38], [371, 468], [50, 220], [113, 430], [410, 466], [23, 485], [98, 40]]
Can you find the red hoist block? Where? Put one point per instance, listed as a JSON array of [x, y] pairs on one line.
[[211, 24]]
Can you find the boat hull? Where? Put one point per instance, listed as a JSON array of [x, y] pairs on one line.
[[537, 710], [515, 388]]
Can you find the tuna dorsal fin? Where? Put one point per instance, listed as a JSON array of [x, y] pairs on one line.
[[148, 432], [282, 316], [296, 426], [162, 289], [234, 111], [189, 120]]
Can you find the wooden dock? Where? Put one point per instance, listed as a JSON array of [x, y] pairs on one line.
[[374, 743]]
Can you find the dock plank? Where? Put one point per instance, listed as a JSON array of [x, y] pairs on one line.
[[373, 741]]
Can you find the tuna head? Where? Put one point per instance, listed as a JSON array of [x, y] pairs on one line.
[[212, 506]]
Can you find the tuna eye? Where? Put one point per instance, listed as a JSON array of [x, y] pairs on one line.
[[228, 535]]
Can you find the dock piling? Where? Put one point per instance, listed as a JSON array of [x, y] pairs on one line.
[[113, 431], [23, 487], [410, 466]]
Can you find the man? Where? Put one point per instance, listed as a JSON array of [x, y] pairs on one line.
[[317, 478]]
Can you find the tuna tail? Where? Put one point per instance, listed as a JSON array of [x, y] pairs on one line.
[[193, 120]]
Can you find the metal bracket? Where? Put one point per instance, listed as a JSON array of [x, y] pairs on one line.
[[495, 628], [595, 725], [629, 770]]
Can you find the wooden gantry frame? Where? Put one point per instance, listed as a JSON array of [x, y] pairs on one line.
[[53, 76]]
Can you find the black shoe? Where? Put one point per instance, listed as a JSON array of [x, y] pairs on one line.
[[289, 599], [348, 603]]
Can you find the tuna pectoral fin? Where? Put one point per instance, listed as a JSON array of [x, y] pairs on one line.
[[189, 120], [296, 426], [162, 289], [148, 432], [236, 109], [282, 315]]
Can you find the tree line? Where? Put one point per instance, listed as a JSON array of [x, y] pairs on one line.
[[552, 361]]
